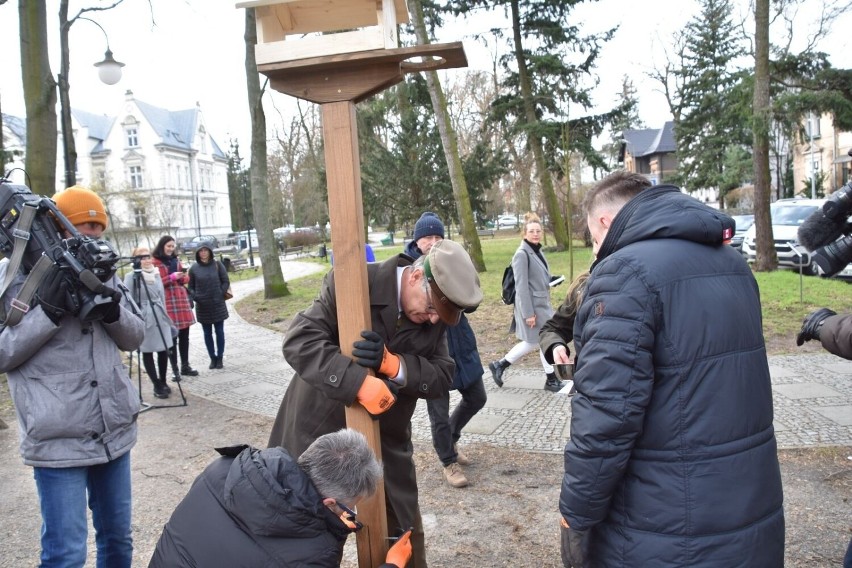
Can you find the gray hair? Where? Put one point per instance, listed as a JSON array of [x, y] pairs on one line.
[[342, 466], [613, 191]]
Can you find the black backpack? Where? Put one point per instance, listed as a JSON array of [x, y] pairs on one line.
[[507, 293]]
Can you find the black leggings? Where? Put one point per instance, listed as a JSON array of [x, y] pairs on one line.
[[162, 365], [183, 346]]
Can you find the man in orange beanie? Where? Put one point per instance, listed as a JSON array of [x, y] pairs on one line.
[[75, 403]]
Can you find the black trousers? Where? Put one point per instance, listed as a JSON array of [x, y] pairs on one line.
[[446, 428], [162, 365], [183, 346]]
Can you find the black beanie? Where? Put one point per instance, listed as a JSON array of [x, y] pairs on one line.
[[427, 225]]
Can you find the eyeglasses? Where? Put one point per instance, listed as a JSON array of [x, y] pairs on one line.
[[348, 517], [429, 307], [144, 257]]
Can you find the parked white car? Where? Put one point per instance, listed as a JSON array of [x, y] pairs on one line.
[[507, 222], [787, 216]]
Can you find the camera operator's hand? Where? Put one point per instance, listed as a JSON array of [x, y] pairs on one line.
[[812, 325], [54, 295], [112, 311]]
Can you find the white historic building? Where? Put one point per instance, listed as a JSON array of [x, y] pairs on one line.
[[158, 171]]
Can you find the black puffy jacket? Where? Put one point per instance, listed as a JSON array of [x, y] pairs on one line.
[[255, 510], [672, 459], [208, 283]]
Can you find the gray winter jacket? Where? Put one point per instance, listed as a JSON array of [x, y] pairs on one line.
[[532, 292], [75, 402], [151, 299]]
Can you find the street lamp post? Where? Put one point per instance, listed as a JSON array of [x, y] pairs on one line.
[[813, 169], [109, 71]]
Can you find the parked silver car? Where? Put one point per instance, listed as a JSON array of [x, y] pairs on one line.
[[744, 223]]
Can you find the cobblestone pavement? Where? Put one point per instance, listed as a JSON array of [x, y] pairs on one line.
[[812, 393]]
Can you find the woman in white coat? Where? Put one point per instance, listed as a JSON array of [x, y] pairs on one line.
[[146, 287], [532, 303]]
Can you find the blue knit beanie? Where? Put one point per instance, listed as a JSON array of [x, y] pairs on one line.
[[427, 225]]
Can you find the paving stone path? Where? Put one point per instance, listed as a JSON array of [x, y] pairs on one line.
[[812, 393]]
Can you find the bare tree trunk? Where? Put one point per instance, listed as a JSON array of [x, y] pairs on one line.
[[451, 149], [39, 97], [766, 258], [557, 224], [274, 285], [69, 147]]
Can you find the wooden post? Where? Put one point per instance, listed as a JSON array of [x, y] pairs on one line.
[[337, 70], [346, 214]]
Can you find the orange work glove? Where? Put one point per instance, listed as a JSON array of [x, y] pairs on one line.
[[375, 396], [400, 553], [371, 352]]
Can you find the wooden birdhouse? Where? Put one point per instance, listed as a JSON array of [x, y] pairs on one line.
[[288, 30]]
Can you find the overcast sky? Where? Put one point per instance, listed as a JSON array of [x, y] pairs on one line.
[[194, 52]]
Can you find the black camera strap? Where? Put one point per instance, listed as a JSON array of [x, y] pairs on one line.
[[21, 304]]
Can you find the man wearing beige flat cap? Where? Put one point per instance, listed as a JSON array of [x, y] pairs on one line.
[[411, 303]]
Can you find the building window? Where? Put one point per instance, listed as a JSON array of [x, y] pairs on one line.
[[136, 177], [132, 137], [139, 217]]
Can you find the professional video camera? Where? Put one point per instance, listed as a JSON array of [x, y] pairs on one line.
[[89, 262], [821, 232]]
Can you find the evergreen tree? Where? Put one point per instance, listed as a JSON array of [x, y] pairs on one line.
[[548, 67], [628, 119], [713, 114], [239, 190]]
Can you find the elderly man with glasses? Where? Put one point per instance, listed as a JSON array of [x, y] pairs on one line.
[[402, 358], [256, 507]]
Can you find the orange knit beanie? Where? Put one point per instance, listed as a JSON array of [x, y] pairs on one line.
[[81, 205]]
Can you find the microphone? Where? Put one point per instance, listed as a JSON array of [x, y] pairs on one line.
[[818, 230]]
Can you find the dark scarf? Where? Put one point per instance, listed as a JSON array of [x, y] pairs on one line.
[[170, 262], [537, 250]]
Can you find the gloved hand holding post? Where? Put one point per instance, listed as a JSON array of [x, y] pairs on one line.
[[375, 395], [371, 352], [400, 553]]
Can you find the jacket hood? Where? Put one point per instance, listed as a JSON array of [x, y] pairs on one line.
[[198, 257], [412, 250], [664, 212], [268, 492]]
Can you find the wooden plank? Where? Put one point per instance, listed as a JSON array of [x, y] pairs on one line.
[[366, 39], [451, 55], [271, 25], [354, 83], [346, 213], [400, 5], [387, 23]]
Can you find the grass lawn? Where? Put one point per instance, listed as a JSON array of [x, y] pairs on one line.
[[784, 302]]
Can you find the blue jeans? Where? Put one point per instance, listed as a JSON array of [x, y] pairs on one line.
[[62, 493], [207, 328]]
